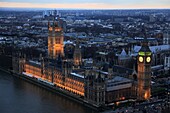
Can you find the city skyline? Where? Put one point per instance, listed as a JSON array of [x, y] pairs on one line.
[[84, 60], [87, 4]]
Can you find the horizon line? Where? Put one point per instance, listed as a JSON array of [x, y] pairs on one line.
[[86, 8]]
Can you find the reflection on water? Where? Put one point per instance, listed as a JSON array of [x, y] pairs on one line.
[[18, 96]]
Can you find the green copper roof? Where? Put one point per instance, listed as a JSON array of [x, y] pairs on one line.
[[144, 53]]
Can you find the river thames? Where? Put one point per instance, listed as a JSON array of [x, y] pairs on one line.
[[19, 96]]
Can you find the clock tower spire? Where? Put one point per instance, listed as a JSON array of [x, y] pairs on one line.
[[144, 70]]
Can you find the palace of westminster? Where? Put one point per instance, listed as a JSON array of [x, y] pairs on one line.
[[90, 83]]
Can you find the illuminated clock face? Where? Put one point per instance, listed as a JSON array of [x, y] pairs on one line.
[[140, 59], [148, 59]]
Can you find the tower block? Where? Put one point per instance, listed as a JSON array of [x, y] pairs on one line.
[[144, 71], [55, 40]]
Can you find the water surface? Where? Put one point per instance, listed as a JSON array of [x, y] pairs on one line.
[[19, 96]]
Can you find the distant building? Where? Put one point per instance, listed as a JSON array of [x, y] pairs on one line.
[[48, 13], [166, 38], [167, 63]]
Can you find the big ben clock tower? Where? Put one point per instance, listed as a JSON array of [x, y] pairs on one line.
[[144, 71]]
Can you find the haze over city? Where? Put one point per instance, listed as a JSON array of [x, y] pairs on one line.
[[87, 4]]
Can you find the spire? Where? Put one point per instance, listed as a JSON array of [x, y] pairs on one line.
[[144, 34], [134, 69], [145, 47], [77, 54], [123, 53]]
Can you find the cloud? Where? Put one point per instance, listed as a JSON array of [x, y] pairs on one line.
[[83, 5], [91, 1]]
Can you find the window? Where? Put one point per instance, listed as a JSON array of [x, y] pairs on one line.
[[166, 60]]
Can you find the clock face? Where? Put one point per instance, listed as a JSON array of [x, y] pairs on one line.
[[148, 59], [140, 59]]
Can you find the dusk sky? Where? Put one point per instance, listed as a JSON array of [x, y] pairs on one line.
[[87, 4]]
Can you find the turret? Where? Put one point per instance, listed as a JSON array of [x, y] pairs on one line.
[[77, 55]]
